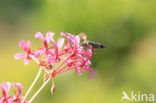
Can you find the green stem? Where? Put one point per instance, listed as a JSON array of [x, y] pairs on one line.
[[43, 85], [30, 88]]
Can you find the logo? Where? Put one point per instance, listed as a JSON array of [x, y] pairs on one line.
[[140, 97]]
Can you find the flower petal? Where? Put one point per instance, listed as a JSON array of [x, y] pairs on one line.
[[78, 70], [1, 100], [93, 71], [23, 45], [77, 38], [49, 36], [53, 42], [37, 54], [26, 61], [28, 44], [60, 43], [63, 34], [6, 87], [90, 76], [19, 86], [40, 36], [19, 55], [87, 53], [26, 101]]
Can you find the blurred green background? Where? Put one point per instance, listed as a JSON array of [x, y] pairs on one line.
[[127, 27]]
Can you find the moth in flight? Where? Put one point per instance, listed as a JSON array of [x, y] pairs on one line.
[[89, 44]]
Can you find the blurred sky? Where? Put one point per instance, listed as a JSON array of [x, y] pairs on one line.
[[127, 27]]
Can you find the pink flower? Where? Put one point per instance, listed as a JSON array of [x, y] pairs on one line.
[[57, 48], [45, 40], [26, 47], [51, 53], [5, 89], [5, 98], [80, 61], [77, 59], [68, 52]]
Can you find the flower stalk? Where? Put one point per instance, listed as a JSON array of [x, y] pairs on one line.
[[32, 85], [68, 51], [39, 90]]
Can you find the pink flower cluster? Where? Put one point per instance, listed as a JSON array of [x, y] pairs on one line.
[[5, 98], [68, 53]]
